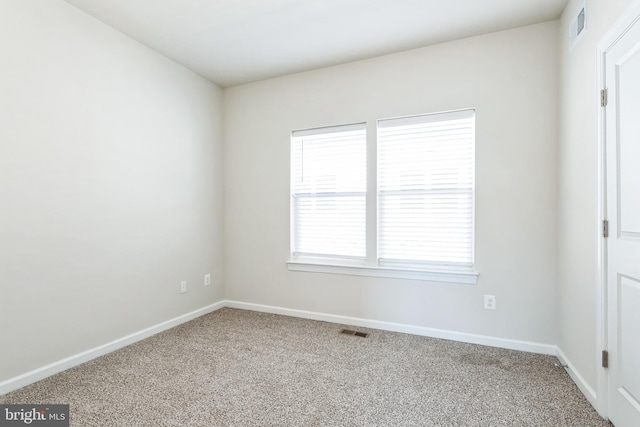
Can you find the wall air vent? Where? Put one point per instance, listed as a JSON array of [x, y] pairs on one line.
[[578, 26]]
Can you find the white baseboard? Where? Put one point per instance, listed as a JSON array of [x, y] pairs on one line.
[[69, 362], [77, 359], [531, 347], [588, 392]]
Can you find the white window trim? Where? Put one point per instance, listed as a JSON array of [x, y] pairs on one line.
[[457, 275], [357, 267]]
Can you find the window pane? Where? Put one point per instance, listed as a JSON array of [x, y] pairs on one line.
[[329, 192], [330, 225], [425, 189]]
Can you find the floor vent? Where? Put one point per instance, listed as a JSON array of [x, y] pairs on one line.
[[354, 333]]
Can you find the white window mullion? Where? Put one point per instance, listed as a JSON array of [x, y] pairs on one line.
[[372, 195]]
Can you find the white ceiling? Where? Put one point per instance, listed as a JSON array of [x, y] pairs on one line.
[[231, 42]]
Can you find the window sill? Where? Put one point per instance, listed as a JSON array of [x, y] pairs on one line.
[[463, 276]]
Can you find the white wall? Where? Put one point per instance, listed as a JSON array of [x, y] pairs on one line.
[[511, 79], [578, 229], [110, 185]]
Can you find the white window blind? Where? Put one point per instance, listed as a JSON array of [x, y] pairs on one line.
[[328, 192], [426, 189]]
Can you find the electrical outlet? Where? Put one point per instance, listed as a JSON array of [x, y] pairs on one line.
[[207, 279], [183, 286], [490, 302]]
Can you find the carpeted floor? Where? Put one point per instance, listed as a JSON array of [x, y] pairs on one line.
[[242, 368]]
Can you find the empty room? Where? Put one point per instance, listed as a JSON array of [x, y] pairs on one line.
[[319, 213]]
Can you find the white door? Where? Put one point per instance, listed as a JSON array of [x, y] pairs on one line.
[[622, 142]]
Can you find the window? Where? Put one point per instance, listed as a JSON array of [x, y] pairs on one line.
[[425, 189], [329, 190], [424, 193]]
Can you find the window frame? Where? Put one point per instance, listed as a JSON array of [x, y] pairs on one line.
[[371, 267], [331, 258]]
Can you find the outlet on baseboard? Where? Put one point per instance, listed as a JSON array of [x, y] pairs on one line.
[[207, 279], [490, 302], [183, 286]]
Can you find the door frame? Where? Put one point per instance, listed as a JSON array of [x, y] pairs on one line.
[[613, 35]]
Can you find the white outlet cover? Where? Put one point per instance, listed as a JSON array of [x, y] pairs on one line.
[[490, 302], [183, 286], [207, 279]]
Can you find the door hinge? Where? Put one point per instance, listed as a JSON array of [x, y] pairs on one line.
[[605, 359], [603, 98], [605, 228]]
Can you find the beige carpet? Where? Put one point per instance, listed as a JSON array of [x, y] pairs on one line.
[[241, 368]]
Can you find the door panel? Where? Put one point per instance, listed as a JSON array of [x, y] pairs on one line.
[[629, 342], [629, 151], [622, 143]]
